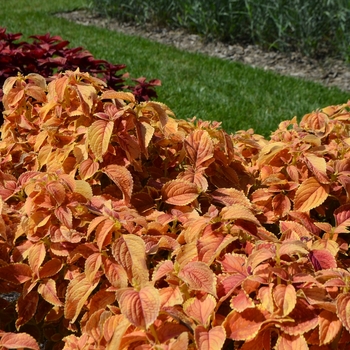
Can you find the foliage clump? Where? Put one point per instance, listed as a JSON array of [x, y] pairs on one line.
[[48, 55], [124, 228]]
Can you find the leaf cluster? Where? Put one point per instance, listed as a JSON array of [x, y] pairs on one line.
[[48, 55], [122, 227]]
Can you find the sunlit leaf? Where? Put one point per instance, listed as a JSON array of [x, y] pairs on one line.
[[83, 188], [241, 301], [88, 168], [343, 309], [200, 308], [162, 269], [65, 216], [322, 259], [115, 274], [141, 307], [92, 265], [244, 325], [199, 147], [78, 291], [130, 252], [179, 192], [36, 256], [291, 342], [122, 177], [119, 330], [237, 211], [18, 340], [230, 196], [47, 289], [50, 268], [310, 194], [305, 319], [210, 340], [170, 296], [285, 298], [329, 326], [198, 276], [99, 135]]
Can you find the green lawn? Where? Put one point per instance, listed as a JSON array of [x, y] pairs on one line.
[[192, 84]]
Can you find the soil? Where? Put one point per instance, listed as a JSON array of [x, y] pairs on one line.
[[327, 71]]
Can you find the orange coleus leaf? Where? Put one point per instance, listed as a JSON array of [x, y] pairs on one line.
[[318, 167], [329, 326], [291, 342], [16, 273], [195, 176], [179, 192], [200, 308], [118, 325], [230, 196], [130, 252], [99, 135], [269, 151], [92, 265], [238, 211], [57, 191], [36, 256], [322, 259], [26, 307], [65, 216], [212, 339], [82, 187], [241, 301], [141, 307], [72, 342], [285, 298], [122, 177], [78, 291], [304, 319], [310, 195], [88, 168], [198, 276], [115, 274], [50, 268], [162, 269], [170, 296], [265, 295], [244, 325], [17, 341], [199, 147], [47, 289], [343, 309]]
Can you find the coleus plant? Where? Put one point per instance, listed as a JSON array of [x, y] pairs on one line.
[[124, 228], [48, 55]]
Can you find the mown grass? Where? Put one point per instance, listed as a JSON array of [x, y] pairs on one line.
[[192, 84]]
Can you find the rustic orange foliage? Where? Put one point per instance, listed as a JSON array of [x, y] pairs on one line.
[[123, 227]]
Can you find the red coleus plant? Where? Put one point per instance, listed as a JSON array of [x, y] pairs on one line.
[[47, 55], [124, 228]]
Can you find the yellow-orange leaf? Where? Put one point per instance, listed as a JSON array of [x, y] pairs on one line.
[[291, 342], [179, 192], [92, 265], [343, 309], [50, 268], [199, 147], [36, 256], [238, 211], [122, 177], [99, 135], [142, 307], [310, 194], [78, 291], [88, 168], [18, 341], [285, 298], [329, 326], [210, 340], [83, 188], [47, 289], [118, 331], [198, 276], [170, 296], [244, 325], [130, 252], [200, 309]]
